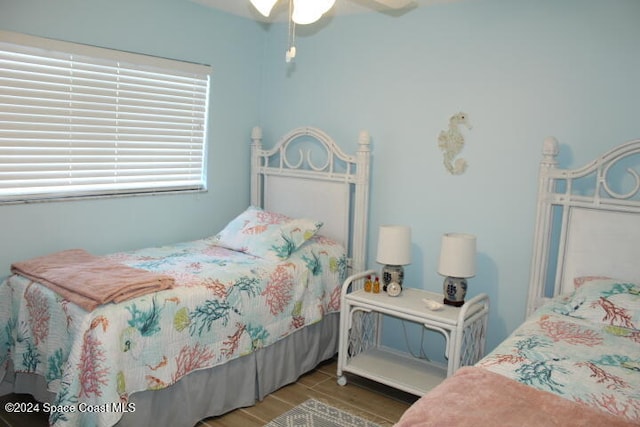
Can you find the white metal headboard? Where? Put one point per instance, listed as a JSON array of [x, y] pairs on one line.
[[334, 189], [592, 234]]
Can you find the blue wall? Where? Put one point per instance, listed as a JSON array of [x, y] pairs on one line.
[[521, 70]]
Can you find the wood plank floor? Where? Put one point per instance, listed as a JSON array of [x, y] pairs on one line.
[[380, 404], [367, 399]]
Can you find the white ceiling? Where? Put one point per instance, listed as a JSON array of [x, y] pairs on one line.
[[342, 7]]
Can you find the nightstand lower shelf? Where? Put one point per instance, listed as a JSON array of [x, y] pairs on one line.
[[396, 369]]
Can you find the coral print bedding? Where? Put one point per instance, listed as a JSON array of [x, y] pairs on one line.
[[584, 347], [224, 304]]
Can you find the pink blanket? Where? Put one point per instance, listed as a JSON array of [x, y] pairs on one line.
[[476, 397], [88, 280]]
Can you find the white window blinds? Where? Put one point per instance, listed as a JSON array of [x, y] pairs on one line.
[[78, 120]]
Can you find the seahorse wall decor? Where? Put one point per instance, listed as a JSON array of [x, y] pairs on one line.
[[451, 142]]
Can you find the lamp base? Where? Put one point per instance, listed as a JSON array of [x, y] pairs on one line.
[[455, 289], [392, 273]]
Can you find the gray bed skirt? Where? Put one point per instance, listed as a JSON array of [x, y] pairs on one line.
[[210, 392]]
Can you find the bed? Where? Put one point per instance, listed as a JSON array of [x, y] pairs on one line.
[[576, 358], [246, 311]]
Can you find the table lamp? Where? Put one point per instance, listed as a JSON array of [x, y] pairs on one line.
[[457, 263], [394, 251]]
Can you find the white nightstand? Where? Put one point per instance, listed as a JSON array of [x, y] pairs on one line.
[[360, 352]]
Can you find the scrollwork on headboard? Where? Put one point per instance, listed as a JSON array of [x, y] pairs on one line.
[[602, 168], [613, 194]]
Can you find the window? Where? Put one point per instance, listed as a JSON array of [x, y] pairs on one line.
[[78, 120]]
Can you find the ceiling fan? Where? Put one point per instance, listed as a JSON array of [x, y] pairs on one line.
[[305, 12], [309, 11]]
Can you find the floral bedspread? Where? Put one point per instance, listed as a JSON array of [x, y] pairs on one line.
[[584, 347], [225, 304]]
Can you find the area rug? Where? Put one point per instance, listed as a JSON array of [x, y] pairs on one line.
[[314, 413]]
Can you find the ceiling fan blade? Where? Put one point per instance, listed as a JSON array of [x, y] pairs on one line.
[[264, 6], [309, 11], [394, 4]]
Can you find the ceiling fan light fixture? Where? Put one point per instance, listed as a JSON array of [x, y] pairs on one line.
[[264, 6], [309, 11]]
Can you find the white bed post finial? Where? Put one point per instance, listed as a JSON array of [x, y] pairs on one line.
[[364, 140], [256, 180], [361, 201], [256, 134], [550, 151], [542, 234]]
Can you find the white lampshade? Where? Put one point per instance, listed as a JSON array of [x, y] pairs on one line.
[[394, 245], [309, 11], [264, 6], [458, 255]]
